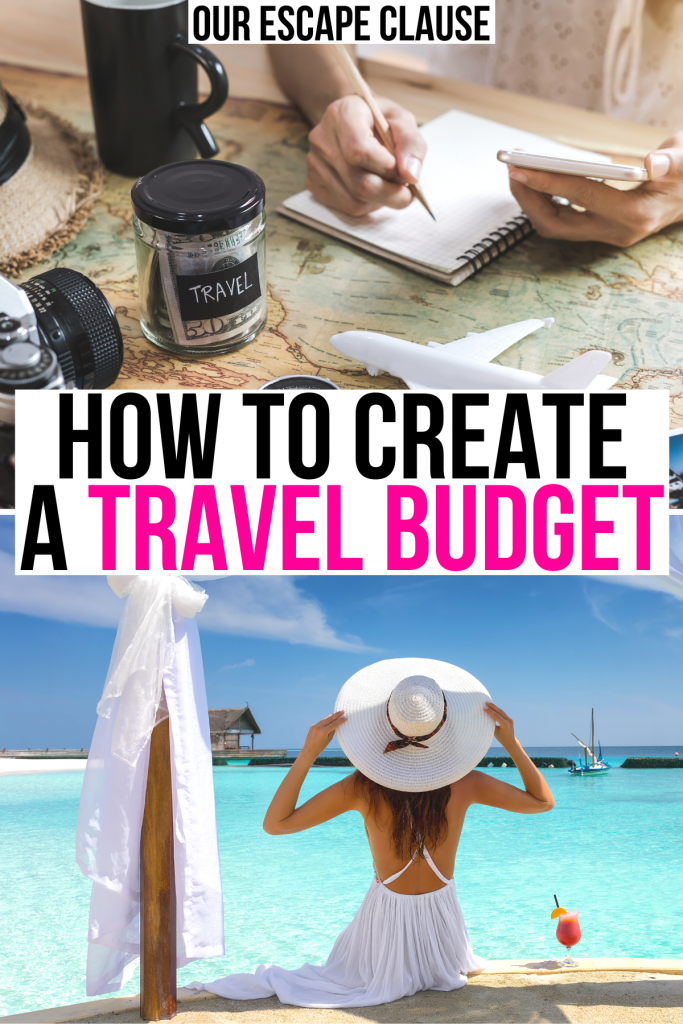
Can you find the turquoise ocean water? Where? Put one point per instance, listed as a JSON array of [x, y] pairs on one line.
[[611, 848]]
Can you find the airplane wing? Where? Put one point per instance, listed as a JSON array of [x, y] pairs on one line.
[[578, 374], [489, 344], [602, 383]]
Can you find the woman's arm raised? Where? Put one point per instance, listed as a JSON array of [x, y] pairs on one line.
[[283, 816], [536, 796]]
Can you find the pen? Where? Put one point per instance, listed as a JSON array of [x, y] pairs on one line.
[[362, 89]]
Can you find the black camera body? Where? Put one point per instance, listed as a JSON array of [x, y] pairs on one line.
[[56, 331]]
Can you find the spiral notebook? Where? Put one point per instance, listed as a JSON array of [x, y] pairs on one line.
[[477, 218]]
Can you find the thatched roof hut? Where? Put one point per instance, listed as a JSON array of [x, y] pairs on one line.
[[228, 725]]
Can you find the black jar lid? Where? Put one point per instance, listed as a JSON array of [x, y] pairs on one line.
[[196, 197]]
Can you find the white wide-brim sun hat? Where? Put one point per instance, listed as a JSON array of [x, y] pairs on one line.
[[414, 724]]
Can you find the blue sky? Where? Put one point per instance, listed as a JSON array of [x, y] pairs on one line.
[[548, 649], [676, 453]]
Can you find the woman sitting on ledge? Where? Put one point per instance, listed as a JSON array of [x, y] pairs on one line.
[[414, 729]]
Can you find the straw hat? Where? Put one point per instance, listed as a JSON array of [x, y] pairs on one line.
[[414, 724], [49, 183]]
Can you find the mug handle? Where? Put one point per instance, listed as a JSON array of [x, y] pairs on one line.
[[191, 115]]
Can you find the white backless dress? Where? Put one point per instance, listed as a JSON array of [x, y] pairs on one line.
[[395, 946]]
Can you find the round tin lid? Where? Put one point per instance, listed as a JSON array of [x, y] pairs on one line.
[[300, 382], [196, 197]]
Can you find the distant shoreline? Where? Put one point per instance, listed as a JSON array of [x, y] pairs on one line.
[[39, 761], [573, 751], [30, 766]]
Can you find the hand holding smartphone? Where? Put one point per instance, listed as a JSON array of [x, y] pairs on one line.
[[580, 168]]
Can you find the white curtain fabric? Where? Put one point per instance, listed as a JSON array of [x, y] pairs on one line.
[[155, 672]]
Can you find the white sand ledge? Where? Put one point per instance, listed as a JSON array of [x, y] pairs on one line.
[[611, 974], [31, 766]]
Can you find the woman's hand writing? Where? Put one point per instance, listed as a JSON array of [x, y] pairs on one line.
[[350, 170]]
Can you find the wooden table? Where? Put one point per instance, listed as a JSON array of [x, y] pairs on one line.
[[624, 301]]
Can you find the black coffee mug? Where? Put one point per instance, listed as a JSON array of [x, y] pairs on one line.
[[143, 84]]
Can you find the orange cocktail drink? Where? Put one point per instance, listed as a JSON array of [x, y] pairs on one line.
[[568, 931]]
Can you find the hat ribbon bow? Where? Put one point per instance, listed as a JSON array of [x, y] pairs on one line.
[[412, 741]]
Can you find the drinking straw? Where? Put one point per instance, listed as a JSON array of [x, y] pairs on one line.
[[556, 903]]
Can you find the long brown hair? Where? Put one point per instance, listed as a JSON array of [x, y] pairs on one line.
[[413, 818]]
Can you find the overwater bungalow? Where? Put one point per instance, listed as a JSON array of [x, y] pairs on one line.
[[229, 725]]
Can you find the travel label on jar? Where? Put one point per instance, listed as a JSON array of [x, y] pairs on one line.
[[219, 293]]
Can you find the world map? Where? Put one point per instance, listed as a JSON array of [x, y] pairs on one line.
[[625, 301]]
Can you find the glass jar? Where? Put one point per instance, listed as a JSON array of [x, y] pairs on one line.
[[201, 255]]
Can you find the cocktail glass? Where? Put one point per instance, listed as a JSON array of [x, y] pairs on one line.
[[568, 934]]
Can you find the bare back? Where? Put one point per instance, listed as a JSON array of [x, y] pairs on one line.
[[419, 877]]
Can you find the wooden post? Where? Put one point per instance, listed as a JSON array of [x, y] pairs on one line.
[[157, 877]]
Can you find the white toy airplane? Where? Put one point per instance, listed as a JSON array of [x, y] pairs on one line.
[[466, 363]]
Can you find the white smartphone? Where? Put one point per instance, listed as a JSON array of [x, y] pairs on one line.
[[581, 168]]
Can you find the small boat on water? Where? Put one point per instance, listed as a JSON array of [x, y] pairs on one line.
[[596, 765]]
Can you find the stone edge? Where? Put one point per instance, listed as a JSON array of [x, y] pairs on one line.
[[119, 1004], [94, 1007]]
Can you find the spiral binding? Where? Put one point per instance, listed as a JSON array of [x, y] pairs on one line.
[[498, 242]]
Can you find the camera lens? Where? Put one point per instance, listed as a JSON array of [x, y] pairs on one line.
[[75, 320]]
